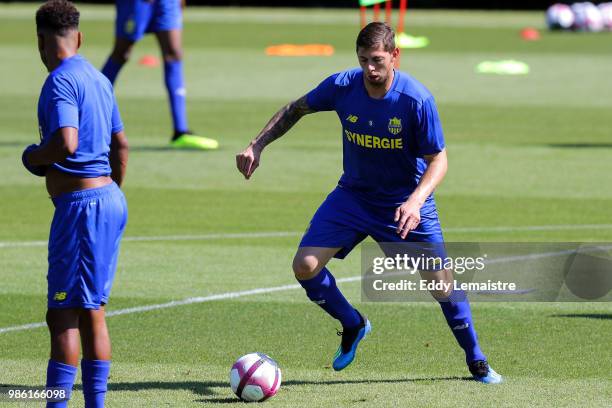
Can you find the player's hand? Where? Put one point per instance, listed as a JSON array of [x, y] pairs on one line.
[[39, 171], [408, 217], [248, 160]]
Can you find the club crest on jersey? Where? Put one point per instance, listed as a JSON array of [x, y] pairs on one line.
[[395, 125]]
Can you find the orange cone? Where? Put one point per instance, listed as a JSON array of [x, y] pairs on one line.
[[530, 34], [148, 61]]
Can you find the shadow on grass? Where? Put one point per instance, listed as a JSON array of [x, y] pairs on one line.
[[205, 388], [365, 381], [166, 149], [597, 316], [582, 145], [226, 400], [297, 383], [23, 145]]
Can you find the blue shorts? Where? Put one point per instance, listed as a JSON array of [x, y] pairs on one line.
[[135, 18], [344, 220], [83, 246]]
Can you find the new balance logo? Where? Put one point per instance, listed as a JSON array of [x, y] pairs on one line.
[[461, 326], [352, 118], [59, 296]]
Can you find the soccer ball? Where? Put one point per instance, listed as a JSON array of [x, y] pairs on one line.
[[255, 377], [606, 15], [588, 17], [559, 17]]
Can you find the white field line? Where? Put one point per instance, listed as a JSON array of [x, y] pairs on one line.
[[280, 234], [188, 301], [155, 238], [257, 291], [529, 228]]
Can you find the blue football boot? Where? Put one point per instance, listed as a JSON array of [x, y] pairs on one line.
[[483, 373], [350, 340]]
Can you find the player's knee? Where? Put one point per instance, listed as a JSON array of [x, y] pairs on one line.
[[120, 57], [121, 54], [441, 295], [305, 267], [173, 55]]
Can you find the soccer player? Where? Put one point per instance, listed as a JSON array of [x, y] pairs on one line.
[[83, 155], [164, 18], [394, 158]]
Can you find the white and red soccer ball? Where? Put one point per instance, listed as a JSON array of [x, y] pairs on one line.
[[606, 15], [560, 17], [255, 377], [581, 16], [587, 17]]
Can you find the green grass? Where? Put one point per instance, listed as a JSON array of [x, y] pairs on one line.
[[524, 151]]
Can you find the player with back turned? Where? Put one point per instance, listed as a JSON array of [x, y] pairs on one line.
[[394, 157], [83, 155]]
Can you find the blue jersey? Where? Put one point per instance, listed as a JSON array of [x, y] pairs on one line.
[[384, 140], [77, 95]]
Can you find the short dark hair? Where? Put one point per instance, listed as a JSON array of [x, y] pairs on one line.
[[374, 34], [57, 16]]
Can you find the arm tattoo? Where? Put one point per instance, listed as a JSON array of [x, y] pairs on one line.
[[282, 121]]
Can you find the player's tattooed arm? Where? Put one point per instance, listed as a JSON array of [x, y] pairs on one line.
[[282, 121], [248, 160]]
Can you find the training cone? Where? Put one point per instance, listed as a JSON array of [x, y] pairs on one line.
[[504, 67], [296, 50], [404, 40], [530, 34], [148, 61]]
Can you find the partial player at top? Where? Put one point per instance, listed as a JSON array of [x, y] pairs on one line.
[[164, 18]]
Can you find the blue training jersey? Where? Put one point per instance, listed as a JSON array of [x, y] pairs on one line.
[[384, 140], [77, 95]]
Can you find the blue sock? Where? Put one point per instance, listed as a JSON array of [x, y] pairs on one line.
[[111, 70], [95, 377], [173, 74], [323, 291], [60, 375], [456, 309]]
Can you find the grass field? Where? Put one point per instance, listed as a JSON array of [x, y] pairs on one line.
[[530, 160]]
